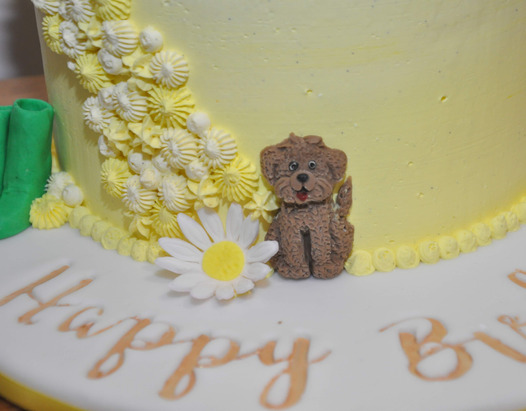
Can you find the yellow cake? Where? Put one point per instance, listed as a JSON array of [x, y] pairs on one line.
[[427, 99]]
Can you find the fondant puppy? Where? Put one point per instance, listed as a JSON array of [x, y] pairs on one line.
[[312, 230]]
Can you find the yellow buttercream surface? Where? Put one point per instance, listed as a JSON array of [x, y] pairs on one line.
[[426, 98]]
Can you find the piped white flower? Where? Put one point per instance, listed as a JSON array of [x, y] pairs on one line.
[[169, 69], [173, 192], [79, 10], [137, 198], [95, 116], [178, 147], [46, 6], [119, 37], [217, 148], [72, 39], [215, 261], [129, 105]]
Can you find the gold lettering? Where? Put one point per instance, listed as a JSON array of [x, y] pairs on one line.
[[500, 347], [513, 277], [126, 342], [412, 350], [29, 289]]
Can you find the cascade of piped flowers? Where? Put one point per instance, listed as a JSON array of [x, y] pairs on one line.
[[162, 157]]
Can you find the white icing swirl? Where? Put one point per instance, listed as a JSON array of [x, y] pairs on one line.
[[72, 195], [198, 123], [105, 148], [151, 40], [71, 39], [110, 63], [150, 177]]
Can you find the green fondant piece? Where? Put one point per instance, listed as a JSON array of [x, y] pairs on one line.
[[27, 163], [5, 114]]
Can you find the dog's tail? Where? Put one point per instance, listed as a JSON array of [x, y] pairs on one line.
[[344, 198]]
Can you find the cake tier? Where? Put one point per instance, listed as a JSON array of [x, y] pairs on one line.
[[427, 100]]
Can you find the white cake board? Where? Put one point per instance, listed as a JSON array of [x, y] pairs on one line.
[[472, 297]]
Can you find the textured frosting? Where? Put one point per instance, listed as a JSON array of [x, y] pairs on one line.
[[426, 104]]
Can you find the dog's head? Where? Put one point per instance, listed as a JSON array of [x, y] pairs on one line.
[[303, 169]]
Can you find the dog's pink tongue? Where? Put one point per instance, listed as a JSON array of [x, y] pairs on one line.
[[302, 195]]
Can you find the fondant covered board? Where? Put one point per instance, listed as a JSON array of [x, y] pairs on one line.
[[96, 330]]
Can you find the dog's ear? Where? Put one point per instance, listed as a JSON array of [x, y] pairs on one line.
[[337, 161], [270, 160], [272, 157]]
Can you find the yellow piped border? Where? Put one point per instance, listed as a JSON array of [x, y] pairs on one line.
[[30, 399], [446, 247]]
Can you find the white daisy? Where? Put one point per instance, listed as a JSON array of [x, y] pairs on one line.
[[215, 262]]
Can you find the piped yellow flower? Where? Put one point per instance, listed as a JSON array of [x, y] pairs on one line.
[[164, 221], [237, 181], [51, 32], [48, 212], [170, 108], [90, 73], [112, 9], [113, 176]]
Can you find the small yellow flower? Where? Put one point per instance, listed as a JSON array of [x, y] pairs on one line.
[[140, 223], [262, 204], [205, 192], [149, 133], [237, 181], [48, 212], [119, 134]]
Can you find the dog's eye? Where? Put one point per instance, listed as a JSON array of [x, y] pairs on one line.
[[293, 165], [312, 164]]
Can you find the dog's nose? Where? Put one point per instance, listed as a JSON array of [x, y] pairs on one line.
[[302, 178]]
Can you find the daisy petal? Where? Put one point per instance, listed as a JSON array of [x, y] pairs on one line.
[[212, 224], [256, 271], [242, 285], [249, 232], [203, 290], [262, 252], [177, 266], [193, 231], [224, 292], [181, 249], [234, 221], [186, 282]]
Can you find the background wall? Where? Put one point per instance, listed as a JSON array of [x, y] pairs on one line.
[[19, 47]]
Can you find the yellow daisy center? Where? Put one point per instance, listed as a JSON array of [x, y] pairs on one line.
[[223, 261]]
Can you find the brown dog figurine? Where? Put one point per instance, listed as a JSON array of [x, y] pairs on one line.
[[312, 230]]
